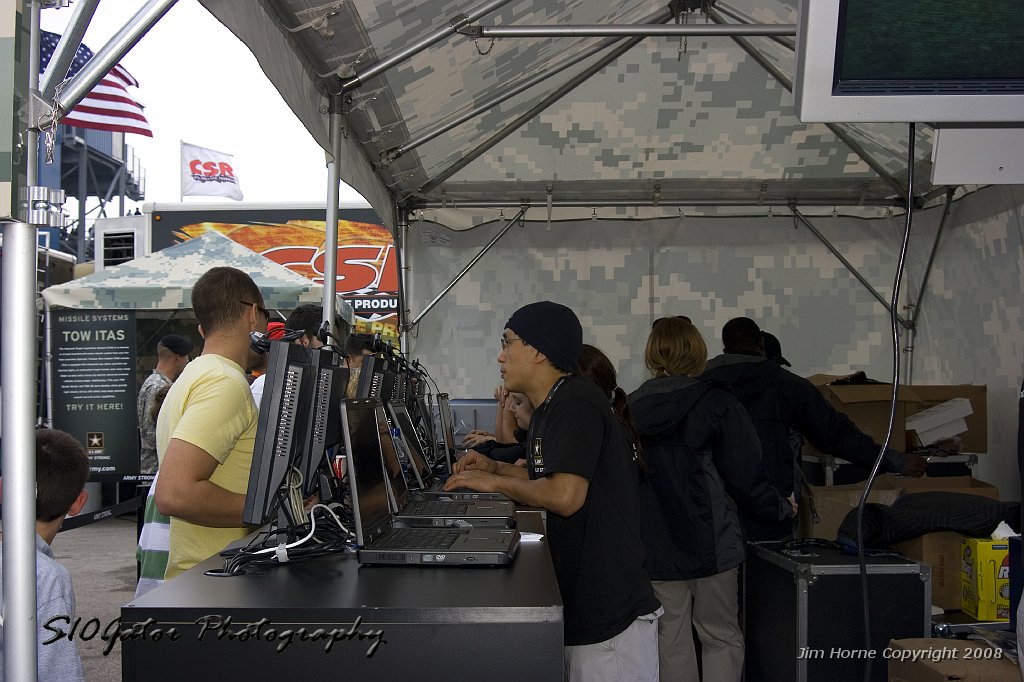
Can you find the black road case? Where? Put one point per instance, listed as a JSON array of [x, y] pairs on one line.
[[803, 612]]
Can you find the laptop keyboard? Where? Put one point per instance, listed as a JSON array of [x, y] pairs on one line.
[[437, 508], [418, 538]]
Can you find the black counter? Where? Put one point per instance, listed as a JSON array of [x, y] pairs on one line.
[[383, 622]]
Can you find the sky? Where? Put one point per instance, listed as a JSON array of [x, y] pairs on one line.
[[200, 84]]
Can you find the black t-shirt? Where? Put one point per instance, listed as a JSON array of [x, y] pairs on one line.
[[597, 552]]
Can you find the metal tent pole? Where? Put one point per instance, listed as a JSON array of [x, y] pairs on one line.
[[454, 26], [558, 94], [834, 128], [32, 136], [615, 203], [744, 19], [17, 376], [331, 223], [67, 48], [923, 289], [643, 30], [108, 57], [518, 216], [848, 264], [931, 256], [401, 240], [504, 95]]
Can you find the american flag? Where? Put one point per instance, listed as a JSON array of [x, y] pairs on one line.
[[107, 106]]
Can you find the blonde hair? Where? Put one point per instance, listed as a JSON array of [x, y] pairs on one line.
[[675, 347]]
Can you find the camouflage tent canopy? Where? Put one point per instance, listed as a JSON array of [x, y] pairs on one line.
[[435, 117]]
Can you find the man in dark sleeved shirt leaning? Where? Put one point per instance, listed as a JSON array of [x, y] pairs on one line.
[[777, 401], [581, 469]]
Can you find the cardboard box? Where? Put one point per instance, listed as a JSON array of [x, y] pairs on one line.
[[834, 502], [867, 405], [975, 439], [940, 422], [985, 576], [950, 484], [940, 660], [941, 551]]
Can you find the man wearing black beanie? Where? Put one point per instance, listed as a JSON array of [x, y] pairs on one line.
[[580, 468]]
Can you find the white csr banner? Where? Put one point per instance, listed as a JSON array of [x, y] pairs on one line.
[[205, 172]]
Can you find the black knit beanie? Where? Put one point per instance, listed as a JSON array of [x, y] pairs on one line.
[[552, 329]]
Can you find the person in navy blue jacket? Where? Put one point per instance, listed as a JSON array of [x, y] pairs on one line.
[[778, 400], [703, 461]]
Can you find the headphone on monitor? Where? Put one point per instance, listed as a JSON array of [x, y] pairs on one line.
[[260, 343]]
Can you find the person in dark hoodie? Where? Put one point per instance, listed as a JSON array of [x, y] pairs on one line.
[[703, 460], [778, 400]]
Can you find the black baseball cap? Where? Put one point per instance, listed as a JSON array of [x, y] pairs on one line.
[[177, 344]]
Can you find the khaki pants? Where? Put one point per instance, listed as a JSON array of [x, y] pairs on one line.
[[711, 606], [630, 655]]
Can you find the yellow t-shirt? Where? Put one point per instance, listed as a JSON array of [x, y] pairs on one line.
[[209, 406]]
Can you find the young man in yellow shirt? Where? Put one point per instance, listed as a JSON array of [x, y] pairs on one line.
[[207, 426]]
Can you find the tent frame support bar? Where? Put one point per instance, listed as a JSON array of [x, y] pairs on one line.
[[331, 225], [504, 95], [947, 209], [104, 60], [32, 136], [67, 48], [18, 376], [787, 203], [736, 15], [401, 242], [916, 306], [455, 25], [836, 130], [516, 123], [642, 30], [469, 266], [849, 266]]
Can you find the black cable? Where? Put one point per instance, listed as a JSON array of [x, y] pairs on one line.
[[325, 335], [894, 325], [328, 539]]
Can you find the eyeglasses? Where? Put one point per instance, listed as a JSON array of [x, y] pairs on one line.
[[505, 343], [266, 313]]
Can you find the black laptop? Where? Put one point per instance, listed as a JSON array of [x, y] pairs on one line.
[[425, 481], [380, 539], [434, 511]]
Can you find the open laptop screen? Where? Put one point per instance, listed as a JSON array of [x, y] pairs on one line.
[[366, 473], [392, 465], [425, 408], [403, 422], [447, 425]]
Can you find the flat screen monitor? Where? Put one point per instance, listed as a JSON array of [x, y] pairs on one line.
[[371, 377], [389, 383], [280, 432], [883, 61], [323, 430]]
